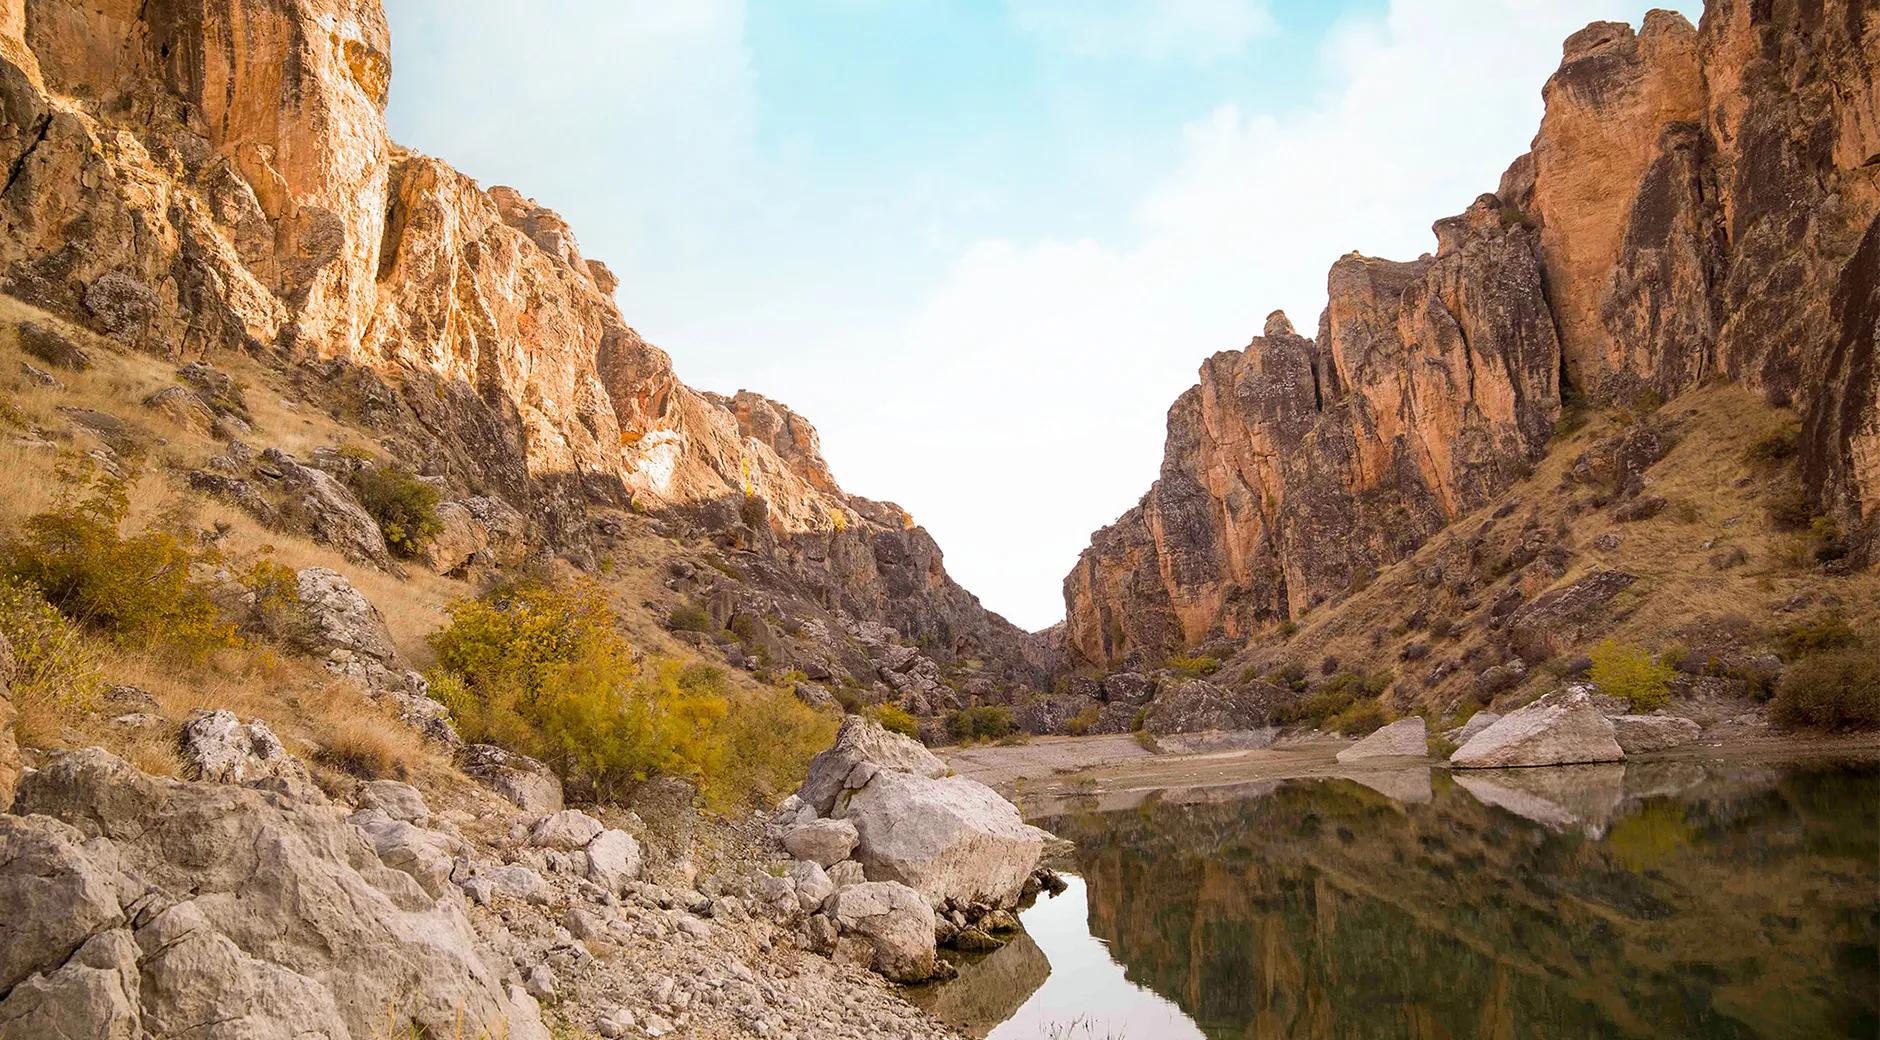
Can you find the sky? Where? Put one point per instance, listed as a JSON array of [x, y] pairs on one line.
[[981, 244]]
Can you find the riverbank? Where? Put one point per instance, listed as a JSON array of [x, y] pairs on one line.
[[1105, 773]]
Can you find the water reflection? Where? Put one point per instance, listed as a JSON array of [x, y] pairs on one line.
[[1649, 900]]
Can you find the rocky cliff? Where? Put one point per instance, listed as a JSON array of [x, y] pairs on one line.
[[198, 177], [1699, 204]]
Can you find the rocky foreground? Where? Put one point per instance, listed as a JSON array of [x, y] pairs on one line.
[[251, 904]]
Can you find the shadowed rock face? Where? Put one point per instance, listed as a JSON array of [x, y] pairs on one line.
[[1698, 203], [206, 175]]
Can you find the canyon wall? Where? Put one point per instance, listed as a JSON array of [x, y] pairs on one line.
[[198, 176], [1699, 203]]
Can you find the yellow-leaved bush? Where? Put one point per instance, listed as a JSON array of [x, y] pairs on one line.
[[541, 669]]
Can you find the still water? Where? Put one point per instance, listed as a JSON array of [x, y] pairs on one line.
[[1670, 899]]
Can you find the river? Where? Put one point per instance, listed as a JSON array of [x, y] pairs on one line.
[[1688, 899]]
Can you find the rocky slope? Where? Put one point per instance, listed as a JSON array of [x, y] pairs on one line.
[[1699, 204], [207, 179]]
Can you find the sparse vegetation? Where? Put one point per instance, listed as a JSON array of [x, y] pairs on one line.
[[1629, 673], [404, 506], [540, 668], [981, 723], [1194, 667], [1775, 446], [691, 617], [133, 588], [56, 670], [1824, 632], [1347, 702], [1837, 689]]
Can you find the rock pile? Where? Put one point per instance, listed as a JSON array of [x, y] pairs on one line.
[[892, 851]]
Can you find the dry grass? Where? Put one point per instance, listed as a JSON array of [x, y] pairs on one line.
[[1679, 590]]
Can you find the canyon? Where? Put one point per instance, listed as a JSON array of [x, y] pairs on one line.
[[1625, 408], [1699, 205]]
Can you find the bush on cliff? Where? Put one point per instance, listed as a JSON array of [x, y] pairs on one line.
[[541, 669], [55, 667], [1838, 689], [985, 722], [404, 506]]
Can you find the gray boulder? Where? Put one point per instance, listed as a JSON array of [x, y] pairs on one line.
[[896, 921], [220, 748], [1403, 738], [825, 842], [1561, 728], [565, 831], [613, 859], [1638, 734], [1478, 722], [950, 839]]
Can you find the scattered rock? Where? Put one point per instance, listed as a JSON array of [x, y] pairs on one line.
[[528, 784]]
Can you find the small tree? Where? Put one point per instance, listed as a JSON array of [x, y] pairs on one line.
[[1629, 673]]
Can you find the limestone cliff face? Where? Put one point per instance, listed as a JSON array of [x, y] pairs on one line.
[[1298, 466], [193, 176], [1699, 203]]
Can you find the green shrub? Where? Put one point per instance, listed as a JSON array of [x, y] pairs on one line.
[[1629, 673], [1360, 718], [1080, 724], [136, 589], [895, 719], [1837, 689], [404, 506], [985, 722], [1194, 667], [1829, 631], [691, 617]]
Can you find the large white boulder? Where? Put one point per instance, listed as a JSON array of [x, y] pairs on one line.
[[861, 748], [1400, 739], [613, 859], [896, 921], [565, 831], [950, 839], [1559, 729]]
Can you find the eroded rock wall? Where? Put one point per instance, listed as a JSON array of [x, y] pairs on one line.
[[1700, 203], [194, 176]]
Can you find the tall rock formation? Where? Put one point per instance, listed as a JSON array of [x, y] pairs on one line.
[[195, 176], [1699, 203]]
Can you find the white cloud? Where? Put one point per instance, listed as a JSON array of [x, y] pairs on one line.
[[1195, 30], [1027, 397]]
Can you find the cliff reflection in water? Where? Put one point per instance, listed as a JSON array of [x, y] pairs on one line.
[[1668, 900]]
